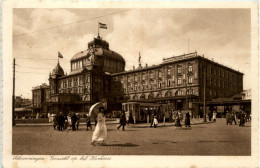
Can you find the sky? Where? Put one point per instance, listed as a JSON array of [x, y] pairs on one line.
[[38, 34]]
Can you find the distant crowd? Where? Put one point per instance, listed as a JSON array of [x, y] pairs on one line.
[[241, 117], [62, 122]]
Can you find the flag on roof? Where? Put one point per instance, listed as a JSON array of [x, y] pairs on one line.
[[59, 55], [102, 25]]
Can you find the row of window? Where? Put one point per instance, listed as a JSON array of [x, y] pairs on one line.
[[219, 83], [73, 82], [76, 90], [113, 64], [220, 73], [77, 65], [151, 85], [159, 95], [151, 74]]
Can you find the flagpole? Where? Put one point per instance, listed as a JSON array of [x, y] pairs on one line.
[[98, 29]]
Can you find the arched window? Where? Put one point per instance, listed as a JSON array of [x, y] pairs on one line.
[[150, 96], [135, 97], [168, 94], [159, 95], [177, 93], [142, 97]]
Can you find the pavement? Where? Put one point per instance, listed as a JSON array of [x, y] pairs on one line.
[[214, 139], [138, 125]]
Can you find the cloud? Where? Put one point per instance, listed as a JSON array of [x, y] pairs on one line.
[[222, 34]]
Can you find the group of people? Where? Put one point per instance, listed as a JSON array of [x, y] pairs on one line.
[[241, 116], [62, 122]]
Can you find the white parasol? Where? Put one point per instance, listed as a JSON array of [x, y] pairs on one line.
[[94, 109]]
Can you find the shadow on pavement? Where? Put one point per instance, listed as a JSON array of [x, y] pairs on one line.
[[123, 145], [206, 141]]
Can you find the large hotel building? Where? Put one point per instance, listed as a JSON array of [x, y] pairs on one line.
[[98, 73]]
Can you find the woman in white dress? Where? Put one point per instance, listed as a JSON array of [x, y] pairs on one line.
[[100, 133]]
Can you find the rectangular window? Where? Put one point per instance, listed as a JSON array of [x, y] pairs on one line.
[[160, 84], [143, 76], [143, 87], [179, 81], [190, 68], [151, 75], [219, 83], [160, 74], [190, 80], [168, 71], [135, 87], [178, 70], [151, 86], [168, 82]]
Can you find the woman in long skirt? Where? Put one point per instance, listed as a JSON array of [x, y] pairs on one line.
[[100, 133]]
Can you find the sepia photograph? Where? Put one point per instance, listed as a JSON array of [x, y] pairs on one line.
[[132, 81]]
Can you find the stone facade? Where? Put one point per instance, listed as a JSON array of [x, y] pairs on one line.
[[99, 74]]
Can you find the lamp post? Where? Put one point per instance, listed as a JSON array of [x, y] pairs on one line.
[[204, 95], [186, 95]]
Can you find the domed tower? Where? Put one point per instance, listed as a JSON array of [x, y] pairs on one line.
[[53, 79], [99, 55], [57, 71]]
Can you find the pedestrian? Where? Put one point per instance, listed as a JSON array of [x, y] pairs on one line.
[[155, 121], [55, 122], [88, 122], [177, 121], [232, 118], [152, 120], [61, 120], [187, 119], [241, 116], [122, 120], [68, 122], [214, 117], [100, 133], [49, 117], [227, 118], [78, 120], [127, 115], [74, 119], [210, 116]]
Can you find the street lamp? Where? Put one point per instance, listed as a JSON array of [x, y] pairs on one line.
[[186, 95], [204, 95]]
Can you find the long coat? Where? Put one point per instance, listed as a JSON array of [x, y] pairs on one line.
[[61, 120], [74, 119], [122, 119], [187, 119]]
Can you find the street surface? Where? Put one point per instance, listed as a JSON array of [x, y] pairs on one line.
[[204, 139]]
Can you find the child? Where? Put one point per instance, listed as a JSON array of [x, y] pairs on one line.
[[155, 121]]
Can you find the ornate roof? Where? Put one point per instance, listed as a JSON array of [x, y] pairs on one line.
[[99, 52], [98, 47], [57, 70]]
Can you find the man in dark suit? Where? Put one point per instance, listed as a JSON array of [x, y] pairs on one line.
[[74, 119], [61, 120], [122, 120]]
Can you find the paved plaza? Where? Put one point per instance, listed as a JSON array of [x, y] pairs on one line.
[[202, 139]]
